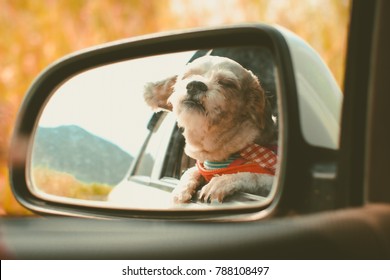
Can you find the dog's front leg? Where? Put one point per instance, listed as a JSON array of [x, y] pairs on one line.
[[222, 186], [190, 181]]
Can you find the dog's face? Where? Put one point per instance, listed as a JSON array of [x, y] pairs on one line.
[[220, 105]]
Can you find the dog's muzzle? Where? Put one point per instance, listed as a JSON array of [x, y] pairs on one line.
[[195, 90]]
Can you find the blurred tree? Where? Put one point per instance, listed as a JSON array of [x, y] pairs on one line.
[[35, 33]]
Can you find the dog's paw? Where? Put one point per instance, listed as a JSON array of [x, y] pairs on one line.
[[222, 186], [189, 183], [217, 189], [182, 196]]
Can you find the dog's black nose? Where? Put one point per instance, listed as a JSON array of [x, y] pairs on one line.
[[195, 87]]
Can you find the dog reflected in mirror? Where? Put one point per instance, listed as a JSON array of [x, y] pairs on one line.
[[227, 125]]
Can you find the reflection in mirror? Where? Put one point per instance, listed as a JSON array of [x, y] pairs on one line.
[[182, 130]]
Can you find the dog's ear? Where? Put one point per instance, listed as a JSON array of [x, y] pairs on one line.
[[260, 110], [156, 94], [255, 99]]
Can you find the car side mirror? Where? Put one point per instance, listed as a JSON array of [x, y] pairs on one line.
[[109, 131]]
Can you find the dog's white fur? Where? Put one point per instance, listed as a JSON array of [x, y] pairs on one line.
[[222, 115]]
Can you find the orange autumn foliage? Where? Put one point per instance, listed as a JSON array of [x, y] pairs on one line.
[[35, 33], [65, 185]]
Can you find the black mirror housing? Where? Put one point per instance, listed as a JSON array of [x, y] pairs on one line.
[[286, 197]]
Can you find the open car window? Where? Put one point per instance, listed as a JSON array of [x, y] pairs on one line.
[[163, 161]]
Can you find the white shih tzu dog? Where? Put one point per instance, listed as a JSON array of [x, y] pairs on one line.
[[228, 128]]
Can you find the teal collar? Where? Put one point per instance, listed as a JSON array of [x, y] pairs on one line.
[[212, 165]]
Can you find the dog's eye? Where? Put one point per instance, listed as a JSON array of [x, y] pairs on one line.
[[227, 83]]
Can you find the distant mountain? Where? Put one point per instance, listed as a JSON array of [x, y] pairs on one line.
[[86, 156]]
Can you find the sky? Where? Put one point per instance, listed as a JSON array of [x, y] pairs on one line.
[[108, 101]]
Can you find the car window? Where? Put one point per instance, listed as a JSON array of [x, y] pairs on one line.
[[176, 161]]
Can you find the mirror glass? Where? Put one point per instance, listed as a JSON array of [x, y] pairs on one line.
[[98, 142]]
